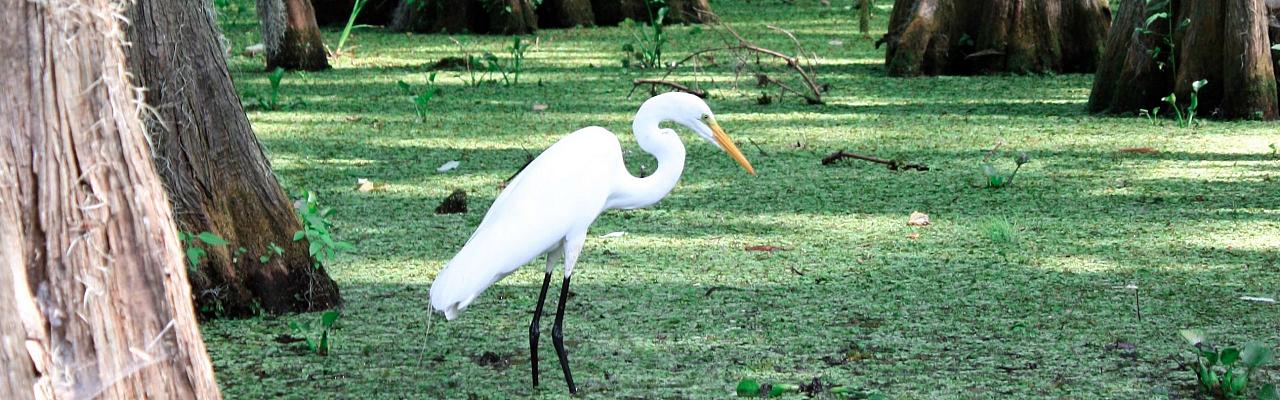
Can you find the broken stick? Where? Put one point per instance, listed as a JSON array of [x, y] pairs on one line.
[[894, 165]]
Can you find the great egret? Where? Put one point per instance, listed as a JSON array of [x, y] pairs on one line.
[[548, 207]]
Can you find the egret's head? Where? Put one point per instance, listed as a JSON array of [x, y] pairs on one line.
[[695, 114]]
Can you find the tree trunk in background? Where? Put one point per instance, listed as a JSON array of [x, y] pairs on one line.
[[565, 13], [612, 12], [864, 18], [94, 301], [436, 16], [336, 12], [1226, 43], [214, 168], [964, 37], [293, 40], [689, 12], [512, 17]]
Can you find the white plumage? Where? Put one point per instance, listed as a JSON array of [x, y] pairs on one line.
[[549, 206]]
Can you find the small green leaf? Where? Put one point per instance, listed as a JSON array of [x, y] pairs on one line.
[[748, 388], [1229, 356], [299, 235], [264, 259], [212, 239], [194, 254], [315, 248], [777, 390], [328, 318], [1237, 384]]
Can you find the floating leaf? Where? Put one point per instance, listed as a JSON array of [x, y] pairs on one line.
[[367, 186], [1255, 355], [1266, 300], [1268, 391], [1193, 337], [1139, 150], [448, 166], [918, 219]]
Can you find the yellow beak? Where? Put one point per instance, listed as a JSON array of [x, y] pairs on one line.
[[729, 147]]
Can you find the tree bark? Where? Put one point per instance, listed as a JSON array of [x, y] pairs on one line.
[[565, 13], [1224, 43], [94, 301], [954, 37], [291, 35], [612, 12], [520, 17], [215, 170], [689, 12], [337, 12], [435, 16], [512, 17]]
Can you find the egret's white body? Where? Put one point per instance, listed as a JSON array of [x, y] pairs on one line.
[[549, 206]]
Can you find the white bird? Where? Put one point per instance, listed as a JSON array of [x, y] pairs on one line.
[[549, 205]]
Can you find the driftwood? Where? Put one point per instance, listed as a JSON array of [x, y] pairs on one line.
[[894, 165]]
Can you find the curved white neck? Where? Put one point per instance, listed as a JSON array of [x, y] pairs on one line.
[[631, 192]]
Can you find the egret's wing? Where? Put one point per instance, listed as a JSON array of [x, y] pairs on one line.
[[564, 189]]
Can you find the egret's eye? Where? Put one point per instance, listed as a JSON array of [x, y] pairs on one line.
[[706, 117]]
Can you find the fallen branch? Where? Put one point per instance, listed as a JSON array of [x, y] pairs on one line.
[[894, 165], [815, 93], [662, 82], [740, 49]]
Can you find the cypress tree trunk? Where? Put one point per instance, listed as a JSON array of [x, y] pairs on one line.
[[962, 37], [436, 16], [94, 301], [336, 12], [512, 17], [214, 169], [1224, 43], [565, 13], [291, 35], [689, 12]]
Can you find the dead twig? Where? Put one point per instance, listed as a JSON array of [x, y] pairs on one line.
[[894, 165], [815, 92], [677, 86], [742, 49], [762, 152]]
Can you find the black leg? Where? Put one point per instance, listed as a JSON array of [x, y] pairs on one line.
[[535, 329], [557, 337]]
